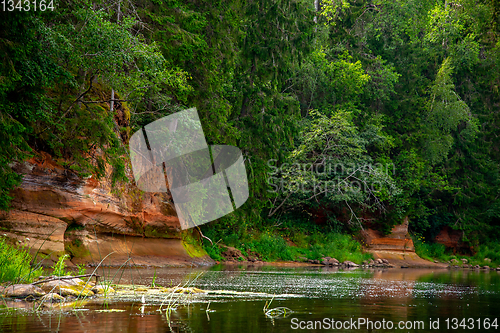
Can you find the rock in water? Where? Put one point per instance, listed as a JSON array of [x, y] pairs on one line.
[[75, 291], [64, 288], [23, 290], [52, 297], [348, 263], [100, 289], [54, 285]]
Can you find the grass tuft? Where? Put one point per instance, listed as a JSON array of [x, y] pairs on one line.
[[15, 264]]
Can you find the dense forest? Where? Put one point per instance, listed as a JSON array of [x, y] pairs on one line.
[[348, 113]]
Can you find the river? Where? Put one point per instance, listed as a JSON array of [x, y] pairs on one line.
[[308, 299]]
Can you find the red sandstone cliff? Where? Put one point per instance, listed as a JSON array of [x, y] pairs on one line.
[[397, 247], [55, 211]]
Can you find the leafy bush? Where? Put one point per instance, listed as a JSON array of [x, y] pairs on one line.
[[15, 264]]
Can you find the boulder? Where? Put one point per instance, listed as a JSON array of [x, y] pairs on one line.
[[333, 262], [76, 282], [488, 260], [100, 289], [65, 288], [464, 261], [23, 290], [52, 297], [75, 291], [348, 263], [54, 285]]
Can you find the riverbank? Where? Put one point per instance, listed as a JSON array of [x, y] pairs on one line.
[[306, 243]]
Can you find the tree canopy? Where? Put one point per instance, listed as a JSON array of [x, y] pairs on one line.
[[399, 98]]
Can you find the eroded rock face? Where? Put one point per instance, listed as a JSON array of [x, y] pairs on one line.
[[398, 240], [395, 249], [34, 230], [54, 211], [453, 239], [49, 190]]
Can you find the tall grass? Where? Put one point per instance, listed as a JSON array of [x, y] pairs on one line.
[[15, 264]]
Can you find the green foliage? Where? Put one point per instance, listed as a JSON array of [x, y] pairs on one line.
[[270, 247], [329, 78], [81, 269], [58, 268], [430, 251], [25, 71], [435, 251], [15, 264], [489, 250], [446, 112], [153, 282], [331, 166], [408, 84], [332, 10], [214, 251], [288, 238]]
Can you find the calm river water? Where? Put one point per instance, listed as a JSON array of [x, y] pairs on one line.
[[318, 300]]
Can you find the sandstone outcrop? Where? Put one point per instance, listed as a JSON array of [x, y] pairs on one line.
[[54, 211], [396, 248]]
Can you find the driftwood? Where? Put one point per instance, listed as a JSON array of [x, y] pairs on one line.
[[69, 278]]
